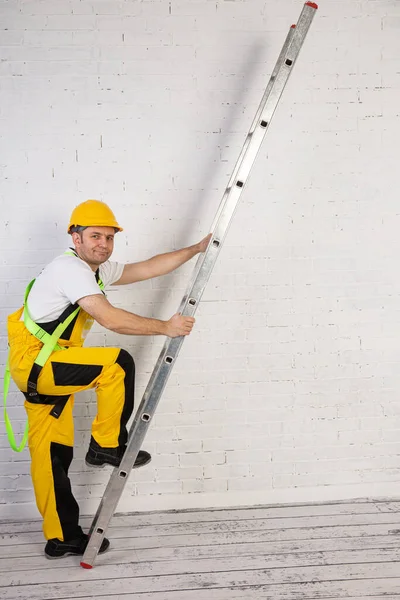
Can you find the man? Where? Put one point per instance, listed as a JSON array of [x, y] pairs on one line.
[[70, 287]]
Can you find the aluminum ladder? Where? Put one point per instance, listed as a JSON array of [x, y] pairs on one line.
[[200, 277]]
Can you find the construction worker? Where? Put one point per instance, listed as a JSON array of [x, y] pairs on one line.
[[71, 287]]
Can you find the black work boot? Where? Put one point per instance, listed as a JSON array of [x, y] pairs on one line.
[[55, 548], [97, 456]]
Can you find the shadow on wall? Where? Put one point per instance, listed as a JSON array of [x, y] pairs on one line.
[[193, 212], [205, 178]]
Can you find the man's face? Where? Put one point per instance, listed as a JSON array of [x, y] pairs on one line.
[[95, 244]]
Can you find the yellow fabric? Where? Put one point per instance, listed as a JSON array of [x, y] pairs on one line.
[[109, 388], [92, 213], [44, 428]]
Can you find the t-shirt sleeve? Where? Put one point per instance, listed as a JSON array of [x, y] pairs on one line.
[[110, 272], [78, 280]]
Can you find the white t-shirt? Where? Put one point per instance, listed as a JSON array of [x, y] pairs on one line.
[[64, 281]]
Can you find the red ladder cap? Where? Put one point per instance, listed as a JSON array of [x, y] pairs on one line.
[[293, 27], [312, 4], [86, 566]]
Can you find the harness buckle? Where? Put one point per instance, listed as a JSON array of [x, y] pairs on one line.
[[32, 389], [40, 334]]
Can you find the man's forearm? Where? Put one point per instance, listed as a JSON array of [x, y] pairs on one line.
[[165, 263], [160, 264], [122, 321]]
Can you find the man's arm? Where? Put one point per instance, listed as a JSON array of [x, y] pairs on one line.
[[122, 321], [160, 264]]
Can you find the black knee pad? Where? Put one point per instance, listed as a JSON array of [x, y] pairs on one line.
[[126, 361]]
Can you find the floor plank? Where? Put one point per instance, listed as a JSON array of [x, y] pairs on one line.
[[296, 592], [23, 547], [277, 579], [219, 515], [273, 550], [289, 562], [233, 526]]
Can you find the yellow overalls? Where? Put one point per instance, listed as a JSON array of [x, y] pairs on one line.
[[51, 431]]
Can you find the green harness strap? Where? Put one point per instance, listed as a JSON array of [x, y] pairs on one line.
[[50, 341], [9, 429], [50, 344]]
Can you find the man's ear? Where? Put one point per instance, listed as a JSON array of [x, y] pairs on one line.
[[76, 238]]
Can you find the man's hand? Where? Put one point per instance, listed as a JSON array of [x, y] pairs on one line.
[[202, 246], [179, 325]]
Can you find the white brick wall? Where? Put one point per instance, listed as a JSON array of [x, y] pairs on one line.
[[289, 387]]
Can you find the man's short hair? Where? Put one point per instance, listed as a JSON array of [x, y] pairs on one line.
[[77, 229], [81, 228]]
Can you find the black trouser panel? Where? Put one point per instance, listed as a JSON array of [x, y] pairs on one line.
[[126, 362], [70, 374], [66, 505]]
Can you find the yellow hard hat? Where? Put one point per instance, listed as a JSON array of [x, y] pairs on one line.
[[93, 213]]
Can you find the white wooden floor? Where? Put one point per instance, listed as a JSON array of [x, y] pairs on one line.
[[335, 551]]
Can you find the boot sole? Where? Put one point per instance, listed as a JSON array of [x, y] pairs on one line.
[[71, 554], [106, 464]]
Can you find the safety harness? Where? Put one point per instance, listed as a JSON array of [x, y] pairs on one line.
[[50, 345]]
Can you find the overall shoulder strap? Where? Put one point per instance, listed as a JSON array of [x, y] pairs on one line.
[[99, 281], [49, 341]]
